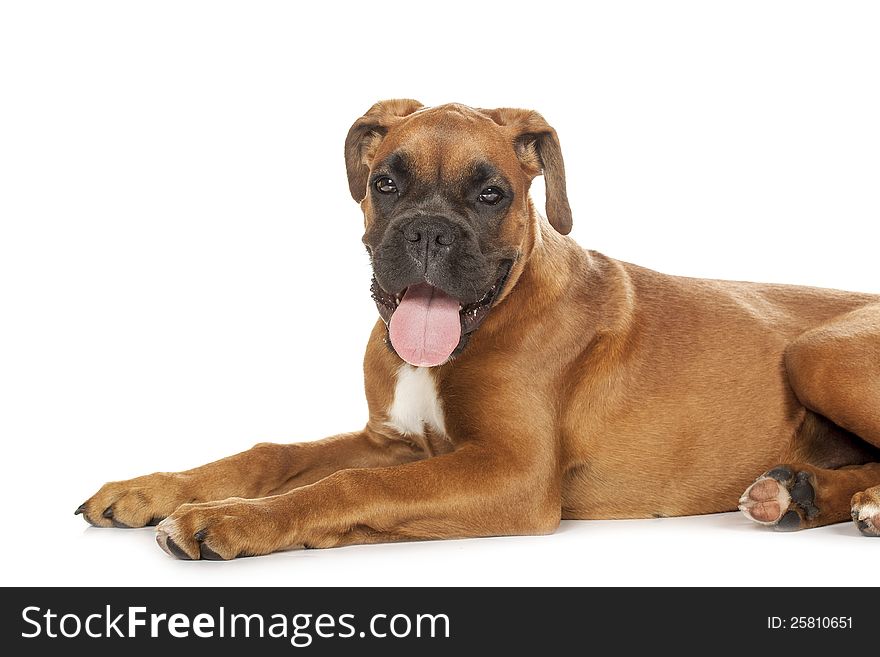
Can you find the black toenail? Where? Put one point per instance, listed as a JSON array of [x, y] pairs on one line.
[[789, 522], [208, 553], [80, 509], [780, 474], [108, 512], [866, 530], [176, 551]]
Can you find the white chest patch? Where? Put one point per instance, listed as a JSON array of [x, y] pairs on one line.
[[416, 403]]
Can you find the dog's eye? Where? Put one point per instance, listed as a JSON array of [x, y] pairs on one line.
[[491, 195], [386, 185]]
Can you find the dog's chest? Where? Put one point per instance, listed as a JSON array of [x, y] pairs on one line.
[[416, 408]]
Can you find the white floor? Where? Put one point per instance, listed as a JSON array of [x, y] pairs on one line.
[[710, 550], [182, 273]]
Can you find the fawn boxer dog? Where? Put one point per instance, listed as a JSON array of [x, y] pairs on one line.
[[515, 378]]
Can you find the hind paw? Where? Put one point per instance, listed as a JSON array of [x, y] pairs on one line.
[[784, 498], [866, 511]]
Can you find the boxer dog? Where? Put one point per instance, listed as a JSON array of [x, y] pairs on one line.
[[514, 378]]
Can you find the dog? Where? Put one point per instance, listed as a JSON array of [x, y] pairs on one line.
[[515, 379]]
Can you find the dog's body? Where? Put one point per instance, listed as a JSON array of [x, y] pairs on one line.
[[565, 385]]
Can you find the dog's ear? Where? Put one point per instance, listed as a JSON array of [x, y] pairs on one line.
[[538, 150], [365, 136]]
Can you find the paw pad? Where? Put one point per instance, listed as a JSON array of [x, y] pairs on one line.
[[782, 498]]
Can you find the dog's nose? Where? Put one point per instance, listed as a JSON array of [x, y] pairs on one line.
[[429, 240], [429, 232]]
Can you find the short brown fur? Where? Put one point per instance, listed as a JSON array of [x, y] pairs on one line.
[[594, 389]]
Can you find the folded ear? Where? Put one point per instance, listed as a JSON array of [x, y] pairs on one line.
[[537, 148], [365, 136]]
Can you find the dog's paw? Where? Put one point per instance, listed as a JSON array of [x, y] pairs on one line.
[[866, 511], [784, 498], [136, 502], [217, 531]]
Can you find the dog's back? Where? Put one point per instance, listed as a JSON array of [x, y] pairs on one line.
[[690, 398]]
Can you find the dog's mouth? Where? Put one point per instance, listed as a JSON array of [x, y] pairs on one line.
[[426, 325]]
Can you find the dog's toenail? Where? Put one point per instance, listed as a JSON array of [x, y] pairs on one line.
[[108, 512], [80, 509], [208, 553], [176, 550]]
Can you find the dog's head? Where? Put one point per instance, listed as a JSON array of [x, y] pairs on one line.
[[449, 223]]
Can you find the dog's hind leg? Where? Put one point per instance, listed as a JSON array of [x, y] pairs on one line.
[[866, 511], [835, 371], [800, 496]]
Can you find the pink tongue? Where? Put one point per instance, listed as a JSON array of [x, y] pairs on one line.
[[425, 328]]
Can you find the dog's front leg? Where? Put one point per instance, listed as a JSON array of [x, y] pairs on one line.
[[266, 469], [477, 490]]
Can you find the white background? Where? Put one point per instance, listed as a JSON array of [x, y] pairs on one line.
[[181, 273]]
